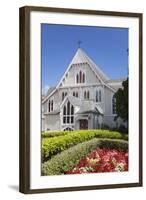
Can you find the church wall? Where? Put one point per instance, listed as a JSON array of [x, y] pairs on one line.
[[108, 101], [92, 84], [45, 107], [43, 124], [91, 78], [70, 77], [116, 85], [77, 125], [109, 120], [52, 122], [56, 99]]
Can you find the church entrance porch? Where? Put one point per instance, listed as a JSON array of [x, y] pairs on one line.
[[83, 124]]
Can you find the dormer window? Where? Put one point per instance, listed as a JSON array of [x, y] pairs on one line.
[[80, 77]]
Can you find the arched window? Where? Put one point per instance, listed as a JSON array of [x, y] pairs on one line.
[[83, 78], [68, 113], [68, 129], [88, 95], [96, 96], [85, 96], [62, 96], [99, 95], [64, 110], [74, 94], [114, 105], [72, 114], [77, 78], [64, 115], [52, 105], [68, 108], [49, 106], [80, 75]]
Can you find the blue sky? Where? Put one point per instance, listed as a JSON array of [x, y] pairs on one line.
[[107, 47]]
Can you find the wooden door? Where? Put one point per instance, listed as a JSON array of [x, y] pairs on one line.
[[83, 124]]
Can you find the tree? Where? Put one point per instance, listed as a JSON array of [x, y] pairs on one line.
[[121, 97]]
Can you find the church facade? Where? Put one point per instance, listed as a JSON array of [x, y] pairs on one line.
[[83, 98]]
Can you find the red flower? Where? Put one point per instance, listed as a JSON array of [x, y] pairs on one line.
[[102, 160]]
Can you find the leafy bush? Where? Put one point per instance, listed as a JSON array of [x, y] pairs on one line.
[[69, 158], [120, 145], [52, 146], [122, 129], [54, 134]]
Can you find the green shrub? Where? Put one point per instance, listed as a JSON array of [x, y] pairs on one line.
[[69, 158], [122, 129], [120, 145], [54, 134], [52, 146]]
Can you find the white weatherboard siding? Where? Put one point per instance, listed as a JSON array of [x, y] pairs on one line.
[[83, 102], [52, 122]]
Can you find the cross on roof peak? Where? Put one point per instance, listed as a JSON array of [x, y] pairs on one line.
[[79, 43]]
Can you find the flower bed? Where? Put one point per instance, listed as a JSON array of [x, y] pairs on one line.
[[68, 159], [102, 160]]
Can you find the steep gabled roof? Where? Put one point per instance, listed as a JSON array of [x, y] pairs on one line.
[[73, 100], [50, 90], [85, 106], [81, 57]]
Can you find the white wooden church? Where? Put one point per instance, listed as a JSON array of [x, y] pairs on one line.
[[83, 98]]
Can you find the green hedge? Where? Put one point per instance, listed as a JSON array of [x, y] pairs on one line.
[[52, 146], [62, 133], [69, 158], [54, 134]]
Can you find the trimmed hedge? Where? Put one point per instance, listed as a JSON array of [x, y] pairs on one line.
[[54, 134], [61, 133], [52, 146], [69, 158]]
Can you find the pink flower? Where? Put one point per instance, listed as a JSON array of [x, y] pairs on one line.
[[102, 160]]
